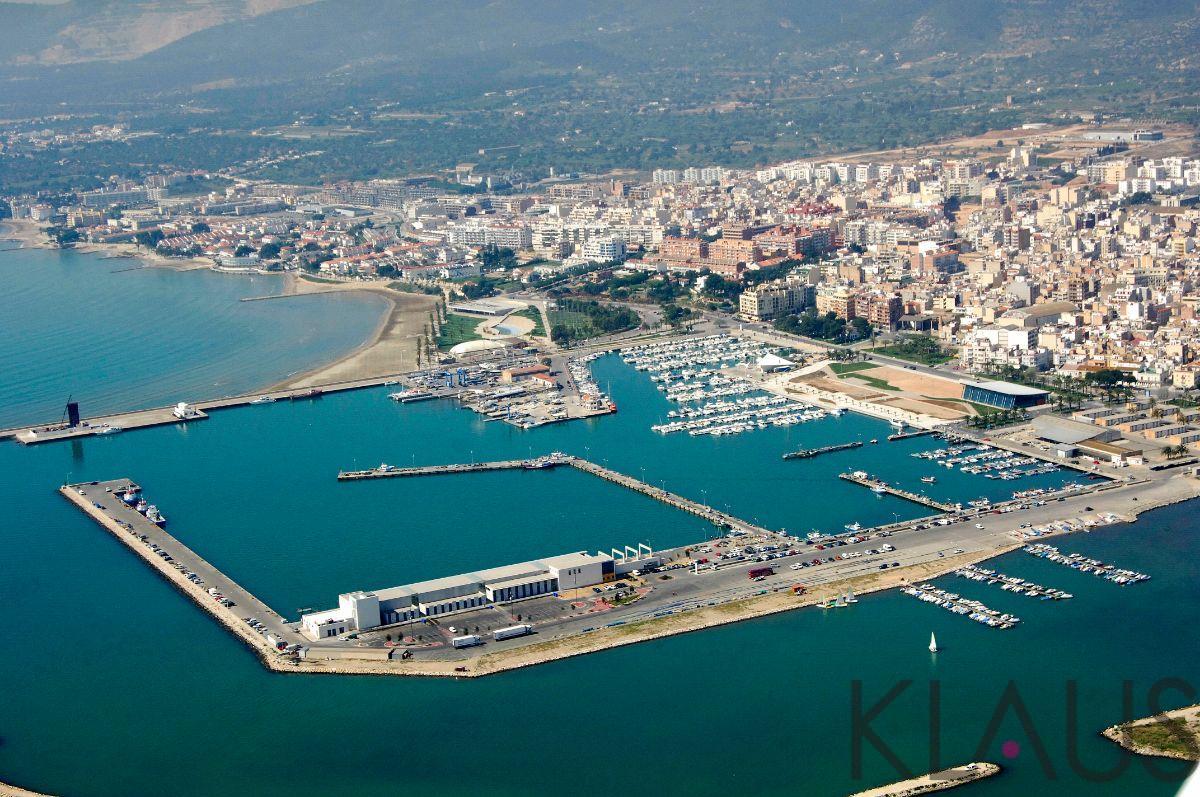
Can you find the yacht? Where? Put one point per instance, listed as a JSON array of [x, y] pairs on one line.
[[108, 429], [264, 400], [855, 526], [879, 489]]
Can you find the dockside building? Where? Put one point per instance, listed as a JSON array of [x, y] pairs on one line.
[[361, 611]]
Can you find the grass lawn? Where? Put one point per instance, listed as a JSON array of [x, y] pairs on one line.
[[457, 329], [849, 368], [580, 324], [534, 315], [878, 384]]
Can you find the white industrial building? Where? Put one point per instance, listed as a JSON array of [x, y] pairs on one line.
[[360, 611]]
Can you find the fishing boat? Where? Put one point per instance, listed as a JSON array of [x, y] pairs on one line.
[[130, 496], [929, 479], [933, 645], [155, 517]]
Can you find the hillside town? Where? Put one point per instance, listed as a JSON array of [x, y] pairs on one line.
[[1037, 251]]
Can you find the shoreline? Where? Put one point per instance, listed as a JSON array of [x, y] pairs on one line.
[[9, 790], [391, 348], [1180, 718]]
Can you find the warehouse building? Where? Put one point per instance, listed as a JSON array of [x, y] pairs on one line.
[[1005, 395], [360, 611]]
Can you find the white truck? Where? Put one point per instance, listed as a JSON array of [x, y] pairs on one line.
[[468, 641], [512, 631]]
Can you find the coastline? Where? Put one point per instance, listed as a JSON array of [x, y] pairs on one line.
[[1179, 727], [391, 348], [8, 790]]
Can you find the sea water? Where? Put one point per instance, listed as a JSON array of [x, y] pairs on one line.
[[114, 684]]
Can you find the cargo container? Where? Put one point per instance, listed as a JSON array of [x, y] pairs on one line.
[[468, 641], [512, 631]]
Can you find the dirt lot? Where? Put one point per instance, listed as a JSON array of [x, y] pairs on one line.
[[936, 410], [917, 382], [840, 386]]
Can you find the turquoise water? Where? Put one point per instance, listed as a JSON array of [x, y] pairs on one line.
[[118, 337], [116, 685]]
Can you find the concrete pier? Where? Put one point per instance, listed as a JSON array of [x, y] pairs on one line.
[[102, 502], [162, 416], [934, 781], [808, 453], [390, 471], [906, 435], [916, 498], [714, 516]]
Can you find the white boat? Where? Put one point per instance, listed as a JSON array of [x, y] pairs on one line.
[[850, 596], [933, 645], [154, 516], [107, 429], [856, 526], [929, 479], [142, 506], [879, 489], [264, 400]]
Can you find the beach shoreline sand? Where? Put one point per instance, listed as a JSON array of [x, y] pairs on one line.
[[391, 348]]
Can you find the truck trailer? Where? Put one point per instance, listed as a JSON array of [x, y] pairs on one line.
[[512, 631]]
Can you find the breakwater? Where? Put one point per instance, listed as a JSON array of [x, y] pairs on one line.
[[808, 453]]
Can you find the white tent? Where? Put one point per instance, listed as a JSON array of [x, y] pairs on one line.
[[773, 362]]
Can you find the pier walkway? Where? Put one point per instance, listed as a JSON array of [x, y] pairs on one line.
[[172, 560], [859, 477], [390, 471], [808, 453], [715, 516], [161, 416]]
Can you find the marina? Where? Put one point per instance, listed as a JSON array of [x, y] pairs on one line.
[[1011, 583], [1083, 564], [955, 604]]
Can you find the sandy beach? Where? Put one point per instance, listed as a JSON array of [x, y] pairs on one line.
[[392, 347]]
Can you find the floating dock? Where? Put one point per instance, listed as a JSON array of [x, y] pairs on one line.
[[858, 477], [808, 453]]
